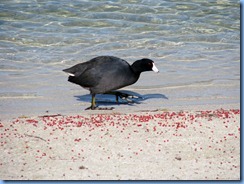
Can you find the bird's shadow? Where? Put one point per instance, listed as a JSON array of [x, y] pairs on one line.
[[110, 99]]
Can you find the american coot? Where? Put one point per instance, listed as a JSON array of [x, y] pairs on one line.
[[106, 73]]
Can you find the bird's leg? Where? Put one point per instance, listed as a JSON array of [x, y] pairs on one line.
[[117, 98], [93, 103], [94, 107], [124, 96]]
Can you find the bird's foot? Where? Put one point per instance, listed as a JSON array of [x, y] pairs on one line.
[[99, 108], [127, 97]]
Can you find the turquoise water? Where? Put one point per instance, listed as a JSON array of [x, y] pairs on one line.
[[193, 43]]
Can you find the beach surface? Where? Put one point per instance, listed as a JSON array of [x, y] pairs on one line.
[[158, 144], [184, 122]]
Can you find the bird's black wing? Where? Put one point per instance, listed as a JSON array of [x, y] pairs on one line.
[[88, 78], [76, 70]]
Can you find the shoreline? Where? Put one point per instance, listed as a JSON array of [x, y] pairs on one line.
[[193, 144], [73, 107]]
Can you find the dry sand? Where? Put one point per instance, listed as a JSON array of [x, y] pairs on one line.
[[153, 145]]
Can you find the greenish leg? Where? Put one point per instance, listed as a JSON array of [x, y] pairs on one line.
[[93, 102], [117, 95], [123, 96], [93, 105]]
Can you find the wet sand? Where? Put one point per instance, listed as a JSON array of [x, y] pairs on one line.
[[189, 144]]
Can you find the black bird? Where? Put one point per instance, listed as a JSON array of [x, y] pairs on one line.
[[106, 73]]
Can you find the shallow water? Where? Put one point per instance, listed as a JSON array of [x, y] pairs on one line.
[[195, 45]]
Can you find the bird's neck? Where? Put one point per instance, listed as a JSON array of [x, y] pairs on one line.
[[136, 68]]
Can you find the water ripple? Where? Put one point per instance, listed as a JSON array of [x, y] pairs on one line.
[[189, 40]]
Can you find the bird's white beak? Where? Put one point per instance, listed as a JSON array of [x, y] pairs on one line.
[[154, 68]]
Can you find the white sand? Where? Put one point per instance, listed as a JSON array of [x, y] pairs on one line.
[[174, 145]]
